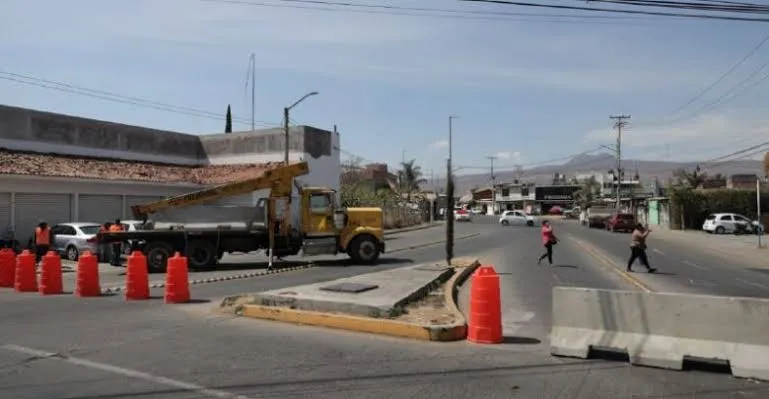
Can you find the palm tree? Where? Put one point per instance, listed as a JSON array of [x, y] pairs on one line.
[[410, 177]]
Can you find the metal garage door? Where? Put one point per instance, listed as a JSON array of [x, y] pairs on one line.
[[131, 200], [5, 212], [100, 208], [31, 208]]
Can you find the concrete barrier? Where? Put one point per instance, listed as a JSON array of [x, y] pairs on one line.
[[663, 329]]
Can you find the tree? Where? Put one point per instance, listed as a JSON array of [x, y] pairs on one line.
[[589, 191], [357, 191], [228, 123], [692, 180], [410, 177]]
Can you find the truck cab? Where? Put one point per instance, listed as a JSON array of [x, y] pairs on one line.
[[328, 229]]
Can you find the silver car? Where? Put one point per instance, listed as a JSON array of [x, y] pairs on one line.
[[72, 239]]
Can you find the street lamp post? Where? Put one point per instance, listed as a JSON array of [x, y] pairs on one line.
[[758, 210], [450, 198], [286, 120]]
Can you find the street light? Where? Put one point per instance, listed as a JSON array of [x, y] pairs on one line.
[[450, 199], [285, 118]]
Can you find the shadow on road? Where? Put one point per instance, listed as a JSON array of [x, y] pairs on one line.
[[279, 264], [521, 341]]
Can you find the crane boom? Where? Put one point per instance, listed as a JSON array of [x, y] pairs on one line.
[[267, 179]]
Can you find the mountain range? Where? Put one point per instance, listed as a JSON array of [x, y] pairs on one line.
[[600, 163]]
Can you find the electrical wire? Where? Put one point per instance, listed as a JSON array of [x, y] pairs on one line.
[[333, 6], [620, 11], [119, 98]]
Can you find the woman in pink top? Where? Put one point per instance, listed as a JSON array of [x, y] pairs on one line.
[[548, 240]]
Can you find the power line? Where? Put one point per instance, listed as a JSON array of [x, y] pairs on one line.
[[620, 11], [332, 6], [709, 6], [118, 98]]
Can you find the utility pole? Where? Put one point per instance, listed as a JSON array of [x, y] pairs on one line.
[[758, 209], [450, 199], [621, 122], [493, 185], [252, 62], [286, 119]]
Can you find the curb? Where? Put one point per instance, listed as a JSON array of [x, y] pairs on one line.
[[394, 328], [431, 243], [112, 290]]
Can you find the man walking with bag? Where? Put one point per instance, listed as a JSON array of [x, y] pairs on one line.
[[638, 248]]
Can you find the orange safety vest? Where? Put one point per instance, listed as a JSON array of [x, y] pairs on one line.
[[42, 236], [115, 228]]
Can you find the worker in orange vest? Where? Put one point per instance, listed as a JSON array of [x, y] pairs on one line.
[[42, 240], [117, 247]]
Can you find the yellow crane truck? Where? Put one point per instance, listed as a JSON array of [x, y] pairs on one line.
[[322, 226]]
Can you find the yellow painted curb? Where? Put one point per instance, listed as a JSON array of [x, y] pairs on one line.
[[395, 328]]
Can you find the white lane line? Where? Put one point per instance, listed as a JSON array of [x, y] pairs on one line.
[[692, 264], [213, 393], [655, 250], [752, 283]]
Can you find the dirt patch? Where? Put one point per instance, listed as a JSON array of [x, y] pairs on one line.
[[429, 311], [234, 304]]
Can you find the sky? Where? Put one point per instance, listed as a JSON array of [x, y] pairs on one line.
[[524, 88]]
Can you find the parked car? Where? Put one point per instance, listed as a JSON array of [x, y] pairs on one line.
[[518, 218], [723, 223], [462, 215], [72, 239], [621, 222]]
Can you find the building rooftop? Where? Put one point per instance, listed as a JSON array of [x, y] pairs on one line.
[[35, 164]]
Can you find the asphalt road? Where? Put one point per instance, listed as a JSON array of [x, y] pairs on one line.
[[67, 348], [682, 266]]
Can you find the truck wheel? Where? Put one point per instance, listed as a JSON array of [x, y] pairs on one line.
[[201, 254], [363, 249], [157, 256]]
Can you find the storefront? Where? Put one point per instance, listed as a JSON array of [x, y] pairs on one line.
[[550, 196]]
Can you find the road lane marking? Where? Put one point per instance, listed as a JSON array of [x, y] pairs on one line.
[[743, 281], [510, 327], [692, 264], [607, 263], [212, 393], [657, 251]]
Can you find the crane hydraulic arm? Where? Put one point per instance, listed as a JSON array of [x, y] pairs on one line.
[[272, 178]]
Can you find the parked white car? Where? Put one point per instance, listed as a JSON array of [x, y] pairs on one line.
[[518, 218], [723, 223]]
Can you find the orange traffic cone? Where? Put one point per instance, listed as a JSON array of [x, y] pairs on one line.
[[177, 280], [485, 324], [87, 275], [7, 267], [137, 284], [26, 273], [50, 275]]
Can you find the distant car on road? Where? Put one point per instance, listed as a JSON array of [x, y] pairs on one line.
[[723, 223], [621, 222], [518, 218], [72, 239], [462, 215]]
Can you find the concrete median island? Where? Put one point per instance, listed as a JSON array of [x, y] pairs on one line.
[[416, 302]]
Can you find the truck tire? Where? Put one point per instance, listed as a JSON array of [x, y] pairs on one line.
[[363, 249], [201, 254], [157, 254]]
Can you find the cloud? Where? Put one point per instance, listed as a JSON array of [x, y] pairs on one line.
[[704, 137], [514, 156], [439, 144]]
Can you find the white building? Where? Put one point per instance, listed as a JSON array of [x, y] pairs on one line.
[[57, 189]]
